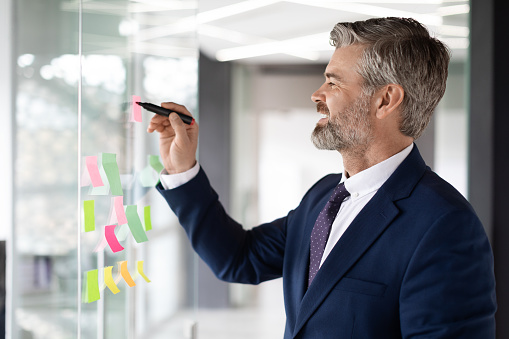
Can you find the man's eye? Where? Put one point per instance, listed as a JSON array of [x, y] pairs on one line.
[[331, 84]]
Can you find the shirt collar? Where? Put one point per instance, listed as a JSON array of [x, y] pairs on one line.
[[371, 179]]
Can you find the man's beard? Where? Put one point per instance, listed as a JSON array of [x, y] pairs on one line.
[[349, 130]]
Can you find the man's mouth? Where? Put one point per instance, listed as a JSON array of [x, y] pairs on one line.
[[322, 108]]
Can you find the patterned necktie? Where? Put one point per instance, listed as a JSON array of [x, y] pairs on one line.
[[321, 230]]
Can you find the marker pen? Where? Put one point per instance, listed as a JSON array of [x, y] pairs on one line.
[[165, 112]]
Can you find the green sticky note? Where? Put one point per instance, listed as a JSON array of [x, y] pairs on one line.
[[89, 210], [148, 221], [134, 222], [148, 177], [121, 232], [155, 163], [91, 286], [109, 163]]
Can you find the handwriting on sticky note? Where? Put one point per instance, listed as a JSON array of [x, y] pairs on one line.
[[111, 238], [89, 211], [134, 222]]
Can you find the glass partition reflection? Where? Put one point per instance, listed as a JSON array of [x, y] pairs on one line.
[[74, 105]]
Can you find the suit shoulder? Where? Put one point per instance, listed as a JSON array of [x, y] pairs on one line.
[[440, 194]]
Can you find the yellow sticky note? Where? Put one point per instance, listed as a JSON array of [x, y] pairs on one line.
[[108, 280], [140, 270]]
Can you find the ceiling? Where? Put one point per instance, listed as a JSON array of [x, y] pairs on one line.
[[252, 31], [297, 31]]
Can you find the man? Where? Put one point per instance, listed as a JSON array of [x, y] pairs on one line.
[[385, 250]]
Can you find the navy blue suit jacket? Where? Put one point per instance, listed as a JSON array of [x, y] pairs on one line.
[[415, 263]]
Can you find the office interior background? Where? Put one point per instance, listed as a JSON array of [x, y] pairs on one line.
[[246, 69]]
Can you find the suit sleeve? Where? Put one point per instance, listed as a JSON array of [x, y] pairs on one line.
[[233, 253], [448, 288]]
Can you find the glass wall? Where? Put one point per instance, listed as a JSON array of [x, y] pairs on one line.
[[98, 254]]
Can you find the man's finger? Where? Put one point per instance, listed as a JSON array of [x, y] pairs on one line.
[[178, 126]]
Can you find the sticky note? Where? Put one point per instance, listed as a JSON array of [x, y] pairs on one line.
[[125, 274], [134, 222], [154, 162], [109, 164], [108, 280], [109, 234], [93, 171], [119, 210], [148, 177], [89, 210], [101, 245], [101, 190], [135, 109], [148, 220], [85, 178], [121, 232], [139, 264], [91, 292]]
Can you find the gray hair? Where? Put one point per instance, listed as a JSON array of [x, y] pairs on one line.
[[399, 51]]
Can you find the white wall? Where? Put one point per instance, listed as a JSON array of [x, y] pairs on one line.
[[6, 130]]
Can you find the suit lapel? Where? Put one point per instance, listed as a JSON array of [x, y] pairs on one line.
[[303, 265], [366, 228], [359, 236]]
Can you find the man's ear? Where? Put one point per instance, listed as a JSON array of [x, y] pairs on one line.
[[388, 100]]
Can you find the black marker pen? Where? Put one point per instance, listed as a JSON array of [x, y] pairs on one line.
[[165, 112]]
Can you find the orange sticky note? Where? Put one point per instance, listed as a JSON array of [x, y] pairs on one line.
[[125, 274]]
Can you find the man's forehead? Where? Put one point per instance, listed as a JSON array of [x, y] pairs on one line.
[[333, 75], [343, 61]]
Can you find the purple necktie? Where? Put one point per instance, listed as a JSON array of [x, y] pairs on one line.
[[321, 230]]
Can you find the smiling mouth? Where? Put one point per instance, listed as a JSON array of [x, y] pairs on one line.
[[322, 108]]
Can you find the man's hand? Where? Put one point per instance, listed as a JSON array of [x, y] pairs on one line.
[[177, 141]]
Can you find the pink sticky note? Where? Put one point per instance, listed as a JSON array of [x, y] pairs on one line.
[[101, 245], [109, 233], [93, 171], [119, 210], [136, 109]]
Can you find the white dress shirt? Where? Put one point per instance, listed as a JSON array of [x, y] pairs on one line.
[[362, 187]]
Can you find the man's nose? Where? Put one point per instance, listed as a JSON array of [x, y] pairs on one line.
[[318, 95]]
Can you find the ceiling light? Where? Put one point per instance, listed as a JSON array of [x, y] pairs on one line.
[[374, 11], [230, 10], [459, 31], [306, 45], [453, 10]]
